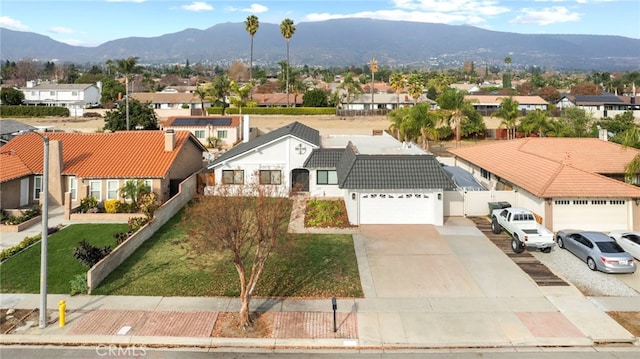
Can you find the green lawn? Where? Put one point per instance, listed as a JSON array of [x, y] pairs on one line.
[[21, 273], [306, 266]]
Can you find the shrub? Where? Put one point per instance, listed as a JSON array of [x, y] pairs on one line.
[[322, 213], [23, 217], [125, 207], [136, 222], [88, 204], [111, 205], [89, 254], [79, 284], [148, 203], [120, 237]]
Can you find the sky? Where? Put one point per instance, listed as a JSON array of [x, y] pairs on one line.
[[93, 22]]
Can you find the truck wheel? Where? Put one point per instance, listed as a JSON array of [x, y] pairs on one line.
[[516, 245], [495, 226]]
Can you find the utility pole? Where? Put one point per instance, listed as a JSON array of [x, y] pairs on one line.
[[373, 65]]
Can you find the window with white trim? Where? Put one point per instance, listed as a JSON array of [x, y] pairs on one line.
[[37, 187], [73, 188], [222, 134], [327, 177], [199, 134], [112, 189], [485, 174], [149, 184], [95, 190]]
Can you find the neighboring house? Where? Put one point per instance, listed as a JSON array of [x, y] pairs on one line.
[[388, 101], [488, 104], [226, 130], [11, 128], [76, 97], [382, 181], [170, 100], [570, 182], [277, 99], [96, 164], [605, 105]]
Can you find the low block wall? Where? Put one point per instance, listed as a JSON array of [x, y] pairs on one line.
[[20, 227], [103, 217], [102, 269]]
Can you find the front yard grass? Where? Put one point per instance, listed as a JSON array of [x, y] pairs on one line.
[[318, 265], [21, 273]]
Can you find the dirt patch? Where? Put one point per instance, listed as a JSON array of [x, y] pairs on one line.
[[629, 320], [11, 319], [228, 326]]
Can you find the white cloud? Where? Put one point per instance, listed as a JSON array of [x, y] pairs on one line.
[[434, 11], [256, 9], [61, 30], [13, 24], [546, 16], [197, 6]]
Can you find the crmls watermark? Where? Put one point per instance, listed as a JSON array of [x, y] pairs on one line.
[[117, 351]]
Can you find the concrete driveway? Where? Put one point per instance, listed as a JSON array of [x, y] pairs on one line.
[[425, 261]]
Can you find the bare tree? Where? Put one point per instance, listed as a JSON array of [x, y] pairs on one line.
[[25, 70], [246, 220]]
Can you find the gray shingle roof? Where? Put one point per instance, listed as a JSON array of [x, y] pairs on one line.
[[295, 129], [9, 127], [391, 172], [324, 158]]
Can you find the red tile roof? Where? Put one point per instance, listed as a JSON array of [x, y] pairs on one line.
[[556, 167], [12, 166], [127, 154]]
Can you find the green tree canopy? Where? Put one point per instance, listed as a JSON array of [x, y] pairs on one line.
[[11, 96], [315, 98], [140, 115]]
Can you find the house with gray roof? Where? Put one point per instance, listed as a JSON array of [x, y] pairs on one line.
[[382, 180]]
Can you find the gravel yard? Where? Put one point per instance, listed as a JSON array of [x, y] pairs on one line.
[[590, 283]]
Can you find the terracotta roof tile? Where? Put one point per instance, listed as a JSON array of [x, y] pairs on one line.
[[127, 154], [12, 167], [556, 167]]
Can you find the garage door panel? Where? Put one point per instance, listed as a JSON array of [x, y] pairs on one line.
[[575, 214], [396, 208]]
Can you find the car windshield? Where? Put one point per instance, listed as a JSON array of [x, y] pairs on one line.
[[609, 247], [633, 238]]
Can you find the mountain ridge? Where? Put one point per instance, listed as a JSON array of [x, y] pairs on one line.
[[344, 42]]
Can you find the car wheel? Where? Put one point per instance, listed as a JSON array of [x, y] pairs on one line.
[[495, 226], [560, 242], [516, 245], [591, 264]]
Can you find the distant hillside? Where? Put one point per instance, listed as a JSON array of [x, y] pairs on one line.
[[345, 42]]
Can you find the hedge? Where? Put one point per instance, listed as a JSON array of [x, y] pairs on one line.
[[292, 111], [34, 111]]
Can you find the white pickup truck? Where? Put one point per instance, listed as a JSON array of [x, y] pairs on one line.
[[525, 231]]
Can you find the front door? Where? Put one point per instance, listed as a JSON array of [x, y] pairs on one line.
[[24, 192], [300, 180]]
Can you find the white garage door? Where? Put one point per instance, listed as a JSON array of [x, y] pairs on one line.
[[396, 208], [593, 215]]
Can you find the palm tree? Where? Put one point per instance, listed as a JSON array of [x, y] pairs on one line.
[[287, 28], [373, 66], [221, 90], [508, 112], [398, 82], [251, 25], [453, 101], [416, 87], [202, 92], [535, 121], [126, 67]]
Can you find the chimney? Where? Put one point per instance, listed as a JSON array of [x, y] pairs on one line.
[[245, 128], [169, 140], [56, 192]]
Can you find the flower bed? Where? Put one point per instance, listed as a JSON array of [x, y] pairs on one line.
[[20, 227]]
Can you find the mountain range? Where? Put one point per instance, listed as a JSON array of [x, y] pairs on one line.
[[344, 42]]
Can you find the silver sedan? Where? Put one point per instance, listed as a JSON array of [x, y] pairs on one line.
[[629, 241], [598, 250]]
